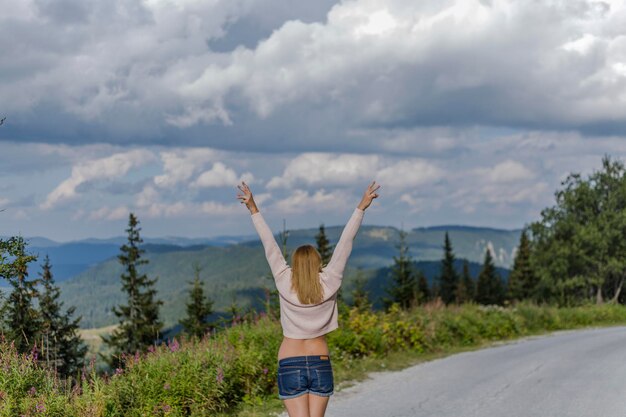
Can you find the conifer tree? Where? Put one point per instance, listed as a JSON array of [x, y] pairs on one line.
[[323, 245], [139, 319], [235, 311], [23, 321], [423, 290], [449, 279], [325, 249], [199, 308], [403, 287], [522, 280], [465, 291], [62, 347], [489, 287], [360, 296]]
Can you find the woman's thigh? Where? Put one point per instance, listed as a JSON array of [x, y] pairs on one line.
[[298, 407], [317, 405]]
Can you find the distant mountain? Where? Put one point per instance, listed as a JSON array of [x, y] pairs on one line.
[[71, 258], [239, 272], [175, 241], [38, 241]]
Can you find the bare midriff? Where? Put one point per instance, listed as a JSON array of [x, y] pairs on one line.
[[302, 347]]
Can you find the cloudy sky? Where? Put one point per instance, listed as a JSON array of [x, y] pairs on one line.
[[466, 111]]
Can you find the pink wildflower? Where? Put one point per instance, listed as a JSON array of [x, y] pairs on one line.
[[220, 376], [174, 346]]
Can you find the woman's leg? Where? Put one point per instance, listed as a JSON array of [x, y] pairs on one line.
[[317, 405], [298, 407]]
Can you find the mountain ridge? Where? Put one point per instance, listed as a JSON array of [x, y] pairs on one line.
[[239, 273]]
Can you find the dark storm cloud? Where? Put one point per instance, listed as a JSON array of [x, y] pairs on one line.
[[265, 17], [284, 76], [65, 11]]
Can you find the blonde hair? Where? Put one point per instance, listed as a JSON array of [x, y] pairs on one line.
[[305, 275]]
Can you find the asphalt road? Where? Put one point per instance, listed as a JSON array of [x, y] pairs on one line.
[[569, 374]]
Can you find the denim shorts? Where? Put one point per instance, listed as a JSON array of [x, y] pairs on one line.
[[299, 375]]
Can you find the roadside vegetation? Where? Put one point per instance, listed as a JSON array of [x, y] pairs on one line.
[[568, 273], [233, 371]]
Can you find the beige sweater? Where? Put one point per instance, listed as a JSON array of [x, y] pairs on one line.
[[306, 321]]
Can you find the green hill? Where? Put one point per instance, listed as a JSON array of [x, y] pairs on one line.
[[239, 272]]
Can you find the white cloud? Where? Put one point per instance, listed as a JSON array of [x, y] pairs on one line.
[[114, 166], [194, 115], [506, 172], [514, 195], [151, 203], [180, 165], [221, 176], [420, 204], [328, 170], [147, 196], [215, 208], [367, 50], [180, 209], [581, 45], [302, 201], [409, 173], [109, 213]]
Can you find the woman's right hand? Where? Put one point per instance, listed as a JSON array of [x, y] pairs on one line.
[[245, 196], [369, 195]]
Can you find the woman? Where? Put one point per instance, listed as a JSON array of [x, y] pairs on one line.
[[308, 309]]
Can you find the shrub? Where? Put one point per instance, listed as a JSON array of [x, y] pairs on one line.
[[238, 365]]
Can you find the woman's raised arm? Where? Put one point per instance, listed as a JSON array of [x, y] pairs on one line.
[[342, 251], [273, 253]]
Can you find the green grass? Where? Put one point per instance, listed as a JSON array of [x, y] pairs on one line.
[[232, 372]]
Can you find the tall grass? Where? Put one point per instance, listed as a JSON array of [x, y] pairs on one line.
[[238, 366]]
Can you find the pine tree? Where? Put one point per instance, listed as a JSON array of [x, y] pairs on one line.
[[360, 296], [326, 252], [323, 245], [522, 280], [62, 347], [489, 287], [23, 320], [139, 319], [235, 311], [199, 308], [403, 288], [465, 291], [448, 280], [422, 288]]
